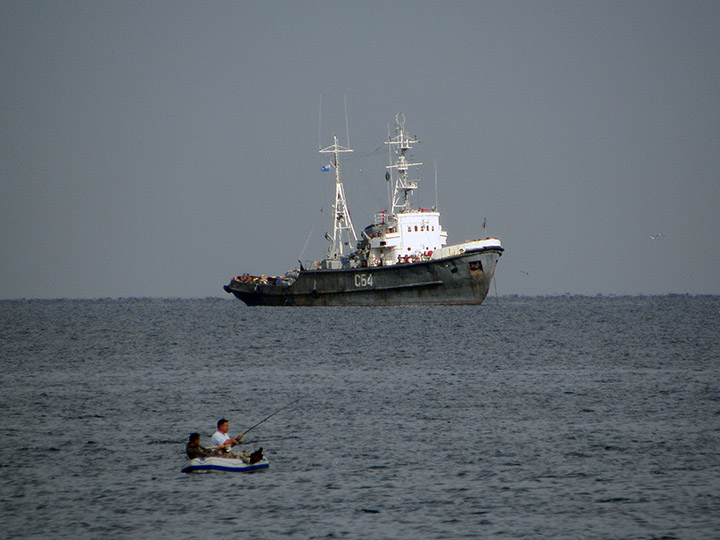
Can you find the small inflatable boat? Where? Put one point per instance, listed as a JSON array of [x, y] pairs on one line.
[[228, 464]]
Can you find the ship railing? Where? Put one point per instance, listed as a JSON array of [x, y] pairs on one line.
[[259, 280]]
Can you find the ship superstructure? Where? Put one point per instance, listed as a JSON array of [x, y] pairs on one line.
[[405, 234]]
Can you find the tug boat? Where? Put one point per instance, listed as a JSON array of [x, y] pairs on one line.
[[227, 464], [400, 259]]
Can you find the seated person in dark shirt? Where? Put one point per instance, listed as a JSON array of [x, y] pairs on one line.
[[193, 448]]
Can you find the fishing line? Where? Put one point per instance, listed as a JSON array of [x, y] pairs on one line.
[[265, 439]]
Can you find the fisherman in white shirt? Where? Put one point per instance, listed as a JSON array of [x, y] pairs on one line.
[[221, 439]]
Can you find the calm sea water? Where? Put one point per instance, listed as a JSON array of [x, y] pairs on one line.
[[559, 417]]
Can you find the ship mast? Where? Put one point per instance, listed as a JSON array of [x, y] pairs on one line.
[[342, 224], [403, 187]]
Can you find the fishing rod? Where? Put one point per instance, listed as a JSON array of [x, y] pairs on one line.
[[270, 416]]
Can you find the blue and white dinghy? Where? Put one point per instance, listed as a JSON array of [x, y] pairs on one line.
[[227, 464]]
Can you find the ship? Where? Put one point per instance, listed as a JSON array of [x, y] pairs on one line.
[[401, 258]]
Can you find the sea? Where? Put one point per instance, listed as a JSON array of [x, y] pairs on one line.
[[527, 417]]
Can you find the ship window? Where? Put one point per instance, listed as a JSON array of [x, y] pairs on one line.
[[415, 228], [409, 229], [433, 227]]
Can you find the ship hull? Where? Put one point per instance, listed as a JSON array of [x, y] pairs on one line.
[[456, 280]]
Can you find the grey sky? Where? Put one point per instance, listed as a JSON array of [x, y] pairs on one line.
[[160, 148]]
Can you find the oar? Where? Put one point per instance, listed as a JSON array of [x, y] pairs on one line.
[[270, 416]]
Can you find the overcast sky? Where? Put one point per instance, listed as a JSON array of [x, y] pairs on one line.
[[160, 148]]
